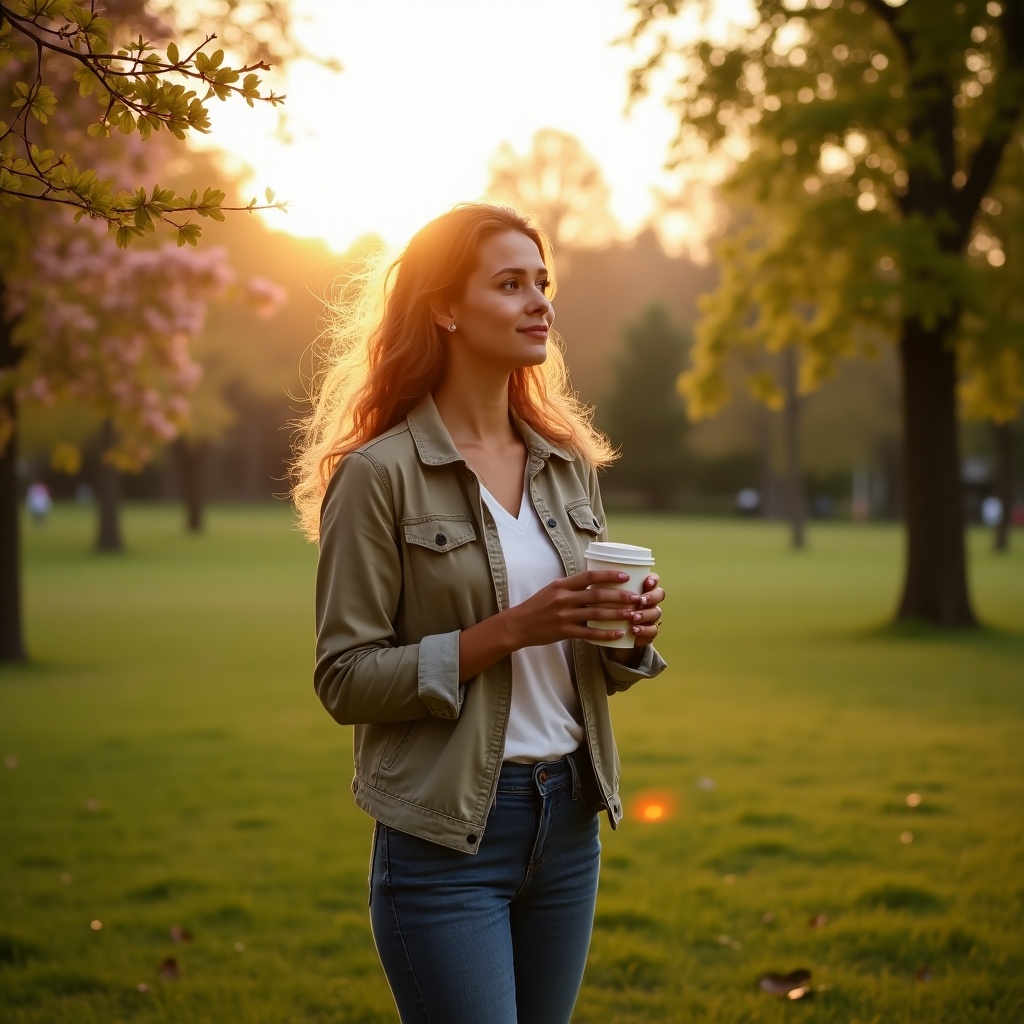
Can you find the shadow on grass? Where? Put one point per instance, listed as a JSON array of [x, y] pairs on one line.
[[922, 631]]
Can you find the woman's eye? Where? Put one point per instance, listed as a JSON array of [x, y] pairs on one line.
[[512, 285], [543, 286]]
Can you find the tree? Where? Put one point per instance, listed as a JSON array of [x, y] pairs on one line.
[[644, 414], [67, 88], [135, 89], [560, 184], [871, 138]]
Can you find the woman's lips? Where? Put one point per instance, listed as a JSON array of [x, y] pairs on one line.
[[535, 332]]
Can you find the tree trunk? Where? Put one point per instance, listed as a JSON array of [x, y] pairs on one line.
[[935, 581], [192, 472], [1004, 483], [796, 507], [108, 496], [12, 641]]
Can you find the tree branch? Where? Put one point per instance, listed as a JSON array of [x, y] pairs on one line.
[[89, 59]]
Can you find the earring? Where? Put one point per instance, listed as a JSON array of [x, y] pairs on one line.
[[451, 327]]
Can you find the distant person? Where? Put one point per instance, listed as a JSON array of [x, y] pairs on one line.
[[451, 481], [38, 502], [991, 511], [748, 502]]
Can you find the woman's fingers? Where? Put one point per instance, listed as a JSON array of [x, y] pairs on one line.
[[616, 597]]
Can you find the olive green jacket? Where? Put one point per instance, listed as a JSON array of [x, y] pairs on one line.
[[409, 556]]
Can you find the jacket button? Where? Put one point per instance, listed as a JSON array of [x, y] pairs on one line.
[[440, 540], [471, 840], [552, 523]]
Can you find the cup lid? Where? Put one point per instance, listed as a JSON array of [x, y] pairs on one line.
[[629, 554]]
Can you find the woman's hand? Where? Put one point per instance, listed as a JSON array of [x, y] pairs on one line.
[[645, 620], [561, 610]]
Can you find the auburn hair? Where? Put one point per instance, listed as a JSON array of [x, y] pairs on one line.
[[385, 352]]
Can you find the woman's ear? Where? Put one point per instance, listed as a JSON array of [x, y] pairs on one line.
[[443, 317]]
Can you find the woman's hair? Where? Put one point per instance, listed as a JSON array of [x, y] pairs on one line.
[[386, 352]]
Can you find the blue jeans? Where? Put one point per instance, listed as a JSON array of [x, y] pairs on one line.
[[500, 937]]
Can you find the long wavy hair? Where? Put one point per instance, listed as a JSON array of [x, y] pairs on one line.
[[386, 352]]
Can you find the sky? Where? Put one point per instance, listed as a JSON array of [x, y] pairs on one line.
[[428, 92]]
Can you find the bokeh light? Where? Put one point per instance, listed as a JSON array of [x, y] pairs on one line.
[[652, 808]]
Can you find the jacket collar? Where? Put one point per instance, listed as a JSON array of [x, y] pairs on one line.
[[436, 448]]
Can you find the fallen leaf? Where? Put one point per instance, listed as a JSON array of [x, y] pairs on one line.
[[784, 984], [923, 973], [706, 783], [169, 969], [818, 921], [179, 934], [728, 940], [767, 917]]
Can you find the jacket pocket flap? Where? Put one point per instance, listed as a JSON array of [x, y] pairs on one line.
[[439, 533], [583, 516]]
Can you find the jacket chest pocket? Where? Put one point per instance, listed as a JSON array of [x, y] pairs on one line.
[[439, 534], [582, 515], [445, 571]]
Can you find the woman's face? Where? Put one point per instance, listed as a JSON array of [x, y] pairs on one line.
[[503, 316]]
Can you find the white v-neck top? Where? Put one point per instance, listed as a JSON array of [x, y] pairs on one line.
[[544, 722]]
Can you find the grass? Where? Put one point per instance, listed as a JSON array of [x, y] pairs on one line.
[[168, 765]]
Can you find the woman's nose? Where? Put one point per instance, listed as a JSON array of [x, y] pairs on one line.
[[541, 302]]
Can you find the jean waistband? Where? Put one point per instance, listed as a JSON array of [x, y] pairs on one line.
[[541, 776]]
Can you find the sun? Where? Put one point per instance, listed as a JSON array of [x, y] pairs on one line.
[[427, 94]]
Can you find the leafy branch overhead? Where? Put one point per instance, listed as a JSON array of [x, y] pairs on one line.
[[138, 90]]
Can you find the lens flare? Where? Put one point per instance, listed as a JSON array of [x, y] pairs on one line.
[[653, 808]]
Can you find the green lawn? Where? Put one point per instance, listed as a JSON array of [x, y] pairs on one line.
[[169, 765]]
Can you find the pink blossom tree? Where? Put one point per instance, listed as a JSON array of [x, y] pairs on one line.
[[111, 328]]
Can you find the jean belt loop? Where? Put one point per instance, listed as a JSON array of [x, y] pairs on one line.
[[571, 761]]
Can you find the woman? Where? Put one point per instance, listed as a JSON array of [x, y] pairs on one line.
[[451, 481]]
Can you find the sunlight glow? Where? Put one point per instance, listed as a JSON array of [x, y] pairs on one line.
[[427, 94]]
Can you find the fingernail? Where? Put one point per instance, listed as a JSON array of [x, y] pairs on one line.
[[650, 581], [636, 616], [619, 634], [623, 576], [643, 602], [636, 629]]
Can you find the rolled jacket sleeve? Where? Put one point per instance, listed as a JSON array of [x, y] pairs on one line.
[[621, 677], [363, 673]]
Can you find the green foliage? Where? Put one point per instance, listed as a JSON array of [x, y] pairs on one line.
[[644, 414], [172, 689], [872, 165], [138, 91]]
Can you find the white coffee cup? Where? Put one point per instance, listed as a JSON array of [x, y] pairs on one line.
[[638, 562]]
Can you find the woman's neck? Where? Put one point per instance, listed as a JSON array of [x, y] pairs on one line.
[[475, 411]]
